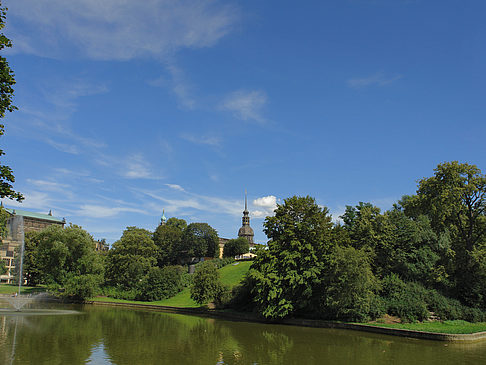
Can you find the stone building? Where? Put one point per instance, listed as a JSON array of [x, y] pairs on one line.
[[20, 222]]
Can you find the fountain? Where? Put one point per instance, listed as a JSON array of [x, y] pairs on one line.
[[18, 301]]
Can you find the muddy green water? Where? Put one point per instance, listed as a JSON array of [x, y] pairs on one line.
[[107, 335]]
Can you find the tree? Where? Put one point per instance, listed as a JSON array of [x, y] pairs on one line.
[[131, 258], [349, 288], [236, 247], [176, 222], [162, 283], [167, 238], [63, 257], [286, 275], [199, 240], [7, 80], [454, 200], [206, 285]]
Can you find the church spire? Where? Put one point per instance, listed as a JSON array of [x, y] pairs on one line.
[[246, 203], [163, 220], [246, 231]]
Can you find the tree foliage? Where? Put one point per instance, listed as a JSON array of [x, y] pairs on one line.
[[131, 258], [286, 275], [454, 200], [162, 283], [63, 257], [199, 240], [206, 285], [235, 247], [167, 238], [7, 81]]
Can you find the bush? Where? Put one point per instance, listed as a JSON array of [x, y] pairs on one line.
[[82, 287], [120, 293], [405, 300], [206, 285], [161, 283]]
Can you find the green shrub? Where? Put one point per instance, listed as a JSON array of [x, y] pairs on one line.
[[161, 283], [82, 287], [405, 300], [120, 293], [206, 284]]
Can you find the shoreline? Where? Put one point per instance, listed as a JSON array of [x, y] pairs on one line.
[[249, 317]]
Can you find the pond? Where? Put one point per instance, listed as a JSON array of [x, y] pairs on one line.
[[113, 335]]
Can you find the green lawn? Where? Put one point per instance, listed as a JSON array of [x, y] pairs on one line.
[[453, 327], [231, 275], [11, 289]]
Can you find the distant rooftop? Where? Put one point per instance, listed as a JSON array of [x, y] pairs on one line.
[[26, 213]]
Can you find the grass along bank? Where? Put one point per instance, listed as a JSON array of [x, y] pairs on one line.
[[11, 289], [450, 327], [230, 275]]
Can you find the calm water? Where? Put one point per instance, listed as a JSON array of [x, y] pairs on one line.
[[103, 335]]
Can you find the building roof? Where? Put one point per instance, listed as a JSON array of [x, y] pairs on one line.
[[26, 213]]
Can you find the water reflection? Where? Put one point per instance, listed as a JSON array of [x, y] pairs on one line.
[[104, 335]]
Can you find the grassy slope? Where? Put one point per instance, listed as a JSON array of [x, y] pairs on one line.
[[231, 275], [11, 289], [454, 327]]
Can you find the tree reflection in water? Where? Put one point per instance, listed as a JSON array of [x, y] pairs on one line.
[[106, 335]]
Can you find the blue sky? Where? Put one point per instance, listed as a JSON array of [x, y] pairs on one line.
[[130, 107]]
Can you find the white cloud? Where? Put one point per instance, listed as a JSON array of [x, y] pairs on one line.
[[99, 211], [378, 79], [267, 204], [175, 187], [246, 105], [117, 29]]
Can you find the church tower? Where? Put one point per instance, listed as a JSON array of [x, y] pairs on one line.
[[245, 230], [163, 220]]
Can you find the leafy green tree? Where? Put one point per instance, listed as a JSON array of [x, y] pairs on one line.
[[56, 255], [286, 276], [162, 283], [236, 247], [349, 289], [131, 258], [206, 285], [7, 81], [177, 222], [454, 199], [199, 240], [168, 239], [32, 273]]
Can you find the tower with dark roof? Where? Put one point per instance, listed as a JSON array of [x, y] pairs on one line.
[[245, 230]]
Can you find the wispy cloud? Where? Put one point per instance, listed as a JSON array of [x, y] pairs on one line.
[[136, 167], [246, 105], [100, 211], [205, 140], [181, 87], [117, 29], [175, 187], [377, 79]]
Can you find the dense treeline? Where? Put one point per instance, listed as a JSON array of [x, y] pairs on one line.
[[424, 257], [140, 265]]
